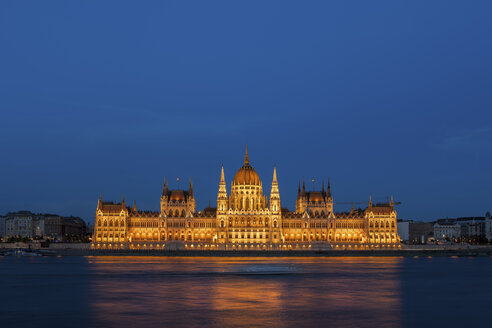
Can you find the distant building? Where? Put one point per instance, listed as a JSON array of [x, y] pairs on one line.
[[488, 227], [73, 227], [420, 232], [53, 226], [447, 229], [472, 228], [403, 228], [38, 226], [20, 224], [2, 228], [25, 224]]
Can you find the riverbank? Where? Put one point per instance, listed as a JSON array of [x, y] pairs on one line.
[[289, 253], [484, 251], [404, 250]]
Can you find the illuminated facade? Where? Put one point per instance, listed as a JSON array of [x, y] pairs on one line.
[[245, 218]]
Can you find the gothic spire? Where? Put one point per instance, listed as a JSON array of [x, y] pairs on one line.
[[328, 189], [274, 182], [246, 157], [370, 201], [222, 183], [222, 178], [303, 188], [164, 188], [190, 189]]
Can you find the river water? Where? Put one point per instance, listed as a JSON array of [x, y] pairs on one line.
[[245, 292]]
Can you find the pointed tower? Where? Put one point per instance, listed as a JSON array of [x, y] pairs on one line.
[[190, 202], [222, 195], [123, 202], [392, 203], [164, 198], [370, 201], [275, 194], [190, 189], [329, 198], [164, 188], [134, 206], [246, 157], [222, 208], [301, 203], [99, 202]]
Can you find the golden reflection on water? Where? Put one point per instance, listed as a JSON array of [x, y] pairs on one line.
[[245, 292]]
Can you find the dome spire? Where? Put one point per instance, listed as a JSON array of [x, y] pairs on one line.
[[246, 157]]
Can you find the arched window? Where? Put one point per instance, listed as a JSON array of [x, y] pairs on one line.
[[183, 213], [222, 223], [105, 223], [274, 223]]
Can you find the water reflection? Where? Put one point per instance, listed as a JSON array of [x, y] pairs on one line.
[[245, 292]]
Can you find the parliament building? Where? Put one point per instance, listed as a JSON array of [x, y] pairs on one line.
[[245, 219]]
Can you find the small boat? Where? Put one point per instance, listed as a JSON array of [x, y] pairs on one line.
[[21, 252]]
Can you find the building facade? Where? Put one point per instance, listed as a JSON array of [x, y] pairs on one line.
[[3, 233], [25, 224], [244, 218], [488, 227], [22, 224], [447, 230], [473, 229], [403, 228]]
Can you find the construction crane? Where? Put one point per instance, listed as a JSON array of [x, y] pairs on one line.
[[354, 203]]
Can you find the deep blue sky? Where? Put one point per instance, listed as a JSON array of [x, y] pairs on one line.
[[385, 98]]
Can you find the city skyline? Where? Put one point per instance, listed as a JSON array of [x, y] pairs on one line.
[[288, 196]]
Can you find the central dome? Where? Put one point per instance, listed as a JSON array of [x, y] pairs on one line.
[[246, 175]]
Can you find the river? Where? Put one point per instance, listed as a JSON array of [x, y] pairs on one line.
[[244, 292]]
